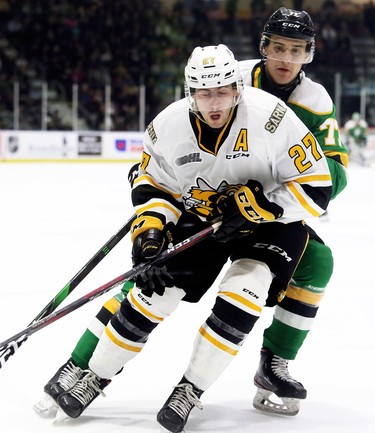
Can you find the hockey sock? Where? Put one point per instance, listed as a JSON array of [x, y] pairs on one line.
[[86, 344]]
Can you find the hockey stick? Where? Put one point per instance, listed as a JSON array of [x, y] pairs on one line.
[[72, 284], [11, 344]]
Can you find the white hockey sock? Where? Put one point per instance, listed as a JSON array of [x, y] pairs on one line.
[[112, 353], [245, 288], [211, 356], [114, 350]]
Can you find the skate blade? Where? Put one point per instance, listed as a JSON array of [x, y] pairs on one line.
[[46, 407], [162, 430], [284, 406], [60, 417]]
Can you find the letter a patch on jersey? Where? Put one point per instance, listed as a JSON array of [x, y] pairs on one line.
[[241, 142]]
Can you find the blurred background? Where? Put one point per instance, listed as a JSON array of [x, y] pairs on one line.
[[112, 65]]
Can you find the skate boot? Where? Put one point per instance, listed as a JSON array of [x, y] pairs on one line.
[[273, 377], [173, 416], [86, 389], [64, 379]]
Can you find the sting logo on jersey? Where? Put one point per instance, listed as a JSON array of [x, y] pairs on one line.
[[203, 197], [152, 133], [186, 159], [275, 119]]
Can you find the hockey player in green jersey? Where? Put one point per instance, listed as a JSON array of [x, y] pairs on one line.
[[287, 45], [356, 130]]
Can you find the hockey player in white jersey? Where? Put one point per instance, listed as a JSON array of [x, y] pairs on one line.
[[223, 151], [287, 45]]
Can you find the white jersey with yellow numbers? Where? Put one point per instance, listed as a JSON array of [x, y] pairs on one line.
[[313, 105], [265, 141]]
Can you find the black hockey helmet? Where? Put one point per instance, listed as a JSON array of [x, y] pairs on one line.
[[290, 23]]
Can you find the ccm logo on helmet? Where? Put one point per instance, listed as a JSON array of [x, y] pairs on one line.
[[210, 75], [295, 26]]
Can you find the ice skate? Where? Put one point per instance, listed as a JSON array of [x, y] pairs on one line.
[[277, 391], [81, 395], [173, 416], [46, 406], [64, 379]]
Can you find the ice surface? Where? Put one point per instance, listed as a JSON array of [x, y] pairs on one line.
[[54, 217]]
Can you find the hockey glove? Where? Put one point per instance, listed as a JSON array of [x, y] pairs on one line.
[[243, 209], [148, 243]]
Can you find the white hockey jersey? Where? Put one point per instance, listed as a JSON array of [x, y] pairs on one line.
[[313, 105], [264, 141]]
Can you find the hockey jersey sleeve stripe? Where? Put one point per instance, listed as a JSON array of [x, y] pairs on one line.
[[321, 179], [340, 157], [305, 107], [144, 193], [161, 207], [148, 180], [302, 200]]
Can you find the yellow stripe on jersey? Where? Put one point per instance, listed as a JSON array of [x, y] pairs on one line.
[[256, 77], [242, 300], [143, 310], [217, 343], [305, 107], [145, 178], [218, 141], [302, 200], [313, 178], [121, 343], [344, 157], [155, 204]]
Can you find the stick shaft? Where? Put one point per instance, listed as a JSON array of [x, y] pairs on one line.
[[11, 344], [84, 271]]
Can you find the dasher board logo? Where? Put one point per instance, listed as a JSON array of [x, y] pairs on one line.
[[89, 145], [13, 144], [129, 144]]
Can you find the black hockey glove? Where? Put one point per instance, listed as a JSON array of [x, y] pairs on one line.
[[147, 245], [243, 209]]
